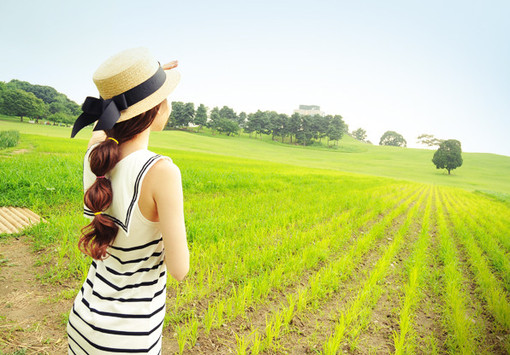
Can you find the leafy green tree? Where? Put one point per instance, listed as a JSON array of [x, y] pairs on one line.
[[176, 114], [448, 156], [48, 95], [17, 102], [393, 138], [284, 121], [360, 134], [306, 133], [201, 116], [182, 114], [275, 125], [294, 125], [214, 119], [336, 128], [321, 125], [258, 122], [429, 140], [227, 126], [189, 113], [228, 113], [241, 119], [3, 87]]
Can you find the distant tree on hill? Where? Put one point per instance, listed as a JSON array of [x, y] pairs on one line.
[[227, 126], [228, 113], [294, 125], [17, 102], [277, 124], [241, 119], [306, 133], [189, 112], [258, 122], [214, 119], [182, 114], [336, 129], [393, 138], [448, 156], [360, 134], [321, 124], [429, 140], [201, 116], [49, 96]]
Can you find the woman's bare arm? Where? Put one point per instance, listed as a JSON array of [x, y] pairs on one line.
[[167, 192]]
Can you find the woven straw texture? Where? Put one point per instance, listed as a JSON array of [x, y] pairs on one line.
[[128, 69]]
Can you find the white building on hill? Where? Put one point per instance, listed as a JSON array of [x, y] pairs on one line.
[[309, 110]]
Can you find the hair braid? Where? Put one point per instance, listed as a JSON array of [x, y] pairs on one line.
[[99, 234]]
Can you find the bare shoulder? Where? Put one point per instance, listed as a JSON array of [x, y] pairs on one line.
[[164, 173]]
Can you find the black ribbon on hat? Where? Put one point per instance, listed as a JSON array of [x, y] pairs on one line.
[[107, 112]]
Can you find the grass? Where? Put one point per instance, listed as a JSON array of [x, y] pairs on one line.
[[486, 173], [279, 234], [8, 139]]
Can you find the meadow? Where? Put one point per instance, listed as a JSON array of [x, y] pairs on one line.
[[359, 249]]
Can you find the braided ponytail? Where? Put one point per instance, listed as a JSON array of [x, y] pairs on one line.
[[99, 234]]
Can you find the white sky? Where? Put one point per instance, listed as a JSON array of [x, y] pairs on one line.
[[438, 67]]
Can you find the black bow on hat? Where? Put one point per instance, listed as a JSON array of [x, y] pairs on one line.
[[107, 112]]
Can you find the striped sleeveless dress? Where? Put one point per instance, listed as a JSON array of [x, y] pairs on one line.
[[121, 307]]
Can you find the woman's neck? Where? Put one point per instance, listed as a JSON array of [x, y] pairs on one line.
[[140, 141]]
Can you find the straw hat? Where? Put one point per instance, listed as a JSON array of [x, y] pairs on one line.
[[129, 83]]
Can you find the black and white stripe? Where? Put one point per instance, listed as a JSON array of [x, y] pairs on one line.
[[125, 224]]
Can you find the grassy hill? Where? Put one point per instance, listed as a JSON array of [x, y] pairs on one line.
[[292, 249], [486, 173]]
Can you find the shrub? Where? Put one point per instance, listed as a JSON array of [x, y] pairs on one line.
[[8, 139]]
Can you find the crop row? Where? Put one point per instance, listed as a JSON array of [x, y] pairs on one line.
[[320, 284], [294, 246]]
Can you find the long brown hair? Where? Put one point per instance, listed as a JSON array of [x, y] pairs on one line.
[[101, 232]]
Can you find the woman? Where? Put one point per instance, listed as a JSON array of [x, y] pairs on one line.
[[134, 200]]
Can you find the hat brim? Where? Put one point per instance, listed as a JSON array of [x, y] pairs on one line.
[[172, 79]]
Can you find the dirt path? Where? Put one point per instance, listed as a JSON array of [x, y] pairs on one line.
[[32, 315]]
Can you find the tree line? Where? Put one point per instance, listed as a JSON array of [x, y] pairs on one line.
[[23, 99], [295, 128], [20, 98]]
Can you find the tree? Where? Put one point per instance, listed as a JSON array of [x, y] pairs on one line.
[[294, 125], [320, 126], [360, 134], [335, 128], [306, 132], [393, 138], [214, 119], [201, 116], [182, 114], [228, 113], [429, 140], [275, 124], [241, 119], [448, 156], [17, 102], [48, 95], [257, 122], [227, 126], [189, 113]]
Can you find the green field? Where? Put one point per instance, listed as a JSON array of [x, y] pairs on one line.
[[487, 173], [361, 249]]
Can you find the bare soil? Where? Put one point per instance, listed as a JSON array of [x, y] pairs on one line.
[[32, 315]]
